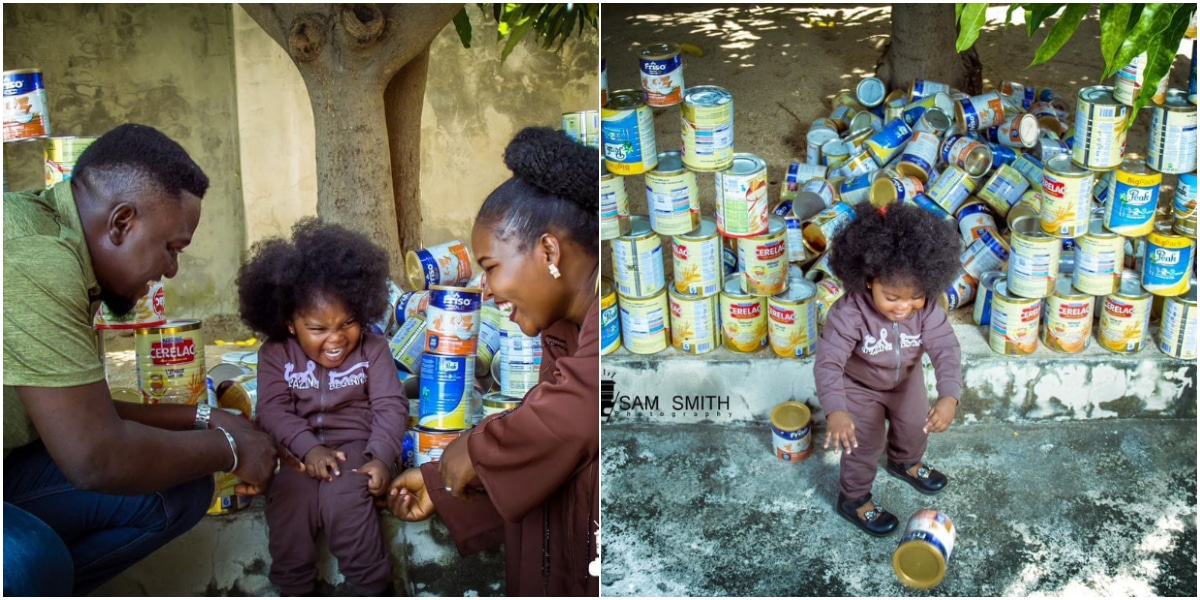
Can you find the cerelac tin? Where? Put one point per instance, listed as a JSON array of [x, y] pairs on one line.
[[792, 320], [697, 260], [743, 317], [1014, 329], [1125, 317], [762, 260], [453, 320]]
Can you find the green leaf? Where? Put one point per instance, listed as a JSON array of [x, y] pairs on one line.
[[1161, 54], [958, 11], [1035, 14], [1012, 8], [1114, 24], [515, 38], [462, 24], [1153, 20], [974, 17], [1060, 32]]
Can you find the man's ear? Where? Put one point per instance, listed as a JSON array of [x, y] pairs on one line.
[[120, 222]]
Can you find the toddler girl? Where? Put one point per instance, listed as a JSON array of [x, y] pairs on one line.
[[328, 392], [894, 262]]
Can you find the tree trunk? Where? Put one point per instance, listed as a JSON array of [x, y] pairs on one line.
[[922, 47], [404, 101], [348, 54]]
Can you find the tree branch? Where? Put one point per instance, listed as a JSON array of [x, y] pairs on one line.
[[410, 29]]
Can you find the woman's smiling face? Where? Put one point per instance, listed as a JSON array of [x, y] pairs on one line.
[[517, 278]]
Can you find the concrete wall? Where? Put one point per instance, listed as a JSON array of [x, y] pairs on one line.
[[167, 66], [473, 107], [210, 78]]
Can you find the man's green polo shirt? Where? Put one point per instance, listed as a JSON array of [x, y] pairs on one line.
[[49, 290]]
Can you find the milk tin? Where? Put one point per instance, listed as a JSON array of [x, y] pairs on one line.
[[921, 559], [786, 210], [792, 320], [410, 304], [610, 318], [61, 154], [697, 260], [1129, 81], [969, 154], [638, 261], [1066, 198], [979, 112], [519, 364], [150, 311], [960, 292], [743, 318], [1014, 327], [627, 129], [446, 384], [645, 328], [798, 174], [818, 231], [1067, 319], [1125, 317], [952, 188], [170, 363], [583, 127], [1099, 260], [1133, 198], [791, 431], [1100, 129], [889, 141], [407, 345], [973, 218], [431, 443], [887, 190], [919, 156], [981, 312], [662, 74], [1184, 206], [988, 253], [742, 209], [1033, 263], [829, 291], [762, 260], [856, 190], [444, 264], [921, 88], [1173, 135], [1003, 189], [707, 128], [614, 205], [815, 139], [933, 121], [453, 320], [672, 196], [694, 327], [26, 114], [1169, 260], [1017, 131], [1030, 168], [1177, 336]]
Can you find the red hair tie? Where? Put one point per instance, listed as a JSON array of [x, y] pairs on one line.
[[883, 210]]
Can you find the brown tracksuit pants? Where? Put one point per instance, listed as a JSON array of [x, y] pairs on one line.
[[299, 506], [906, 407]]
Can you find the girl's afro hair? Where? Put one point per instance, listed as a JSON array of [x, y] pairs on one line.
[[900, 244], [555, 184], [321, 261]]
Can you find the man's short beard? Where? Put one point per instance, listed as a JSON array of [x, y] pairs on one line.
[[119, 306]]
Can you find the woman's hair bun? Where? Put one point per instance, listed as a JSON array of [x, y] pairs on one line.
[[549, 160]]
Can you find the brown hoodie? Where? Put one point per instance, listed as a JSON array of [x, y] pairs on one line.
[[303, 405], [870, 349]]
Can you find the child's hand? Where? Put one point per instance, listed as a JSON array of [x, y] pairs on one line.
[[840, 429], [377, 476], [322, 463], [941, 415]]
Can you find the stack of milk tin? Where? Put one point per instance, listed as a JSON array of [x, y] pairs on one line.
[[447, 378]]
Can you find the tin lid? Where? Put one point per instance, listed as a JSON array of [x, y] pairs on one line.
[[1027, 129], [1135, 163], [835, 147], [798, 290], [707, 95], [732, 287], [937, 119], [745, 164], [639, 227], [1028, 226], [498, 400], [1060, 164], [790, 416], [675, 294], [1096, 228], [1188, 297], [22, 72], [863, 122], [461, 290], [870, 92], [1065, 288], [659, 51], [669, 163], [1177, 101], [625, 100], [1100, 94], [919, 564], [819, 136], [173, 326], [1131, 285], [988, 279], [706, 230]]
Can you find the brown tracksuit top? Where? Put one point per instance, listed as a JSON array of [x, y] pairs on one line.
[[303, 405], [866, 348]]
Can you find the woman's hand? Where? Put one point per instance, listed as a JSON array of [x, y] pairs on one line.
[[322, 463], [840, 429], [408, 499], [377, 475], [941, 415], [456, 468]]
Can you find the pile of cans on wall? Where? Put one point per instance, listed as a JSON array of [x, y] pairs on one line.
[[1059, 223], [467, 358]]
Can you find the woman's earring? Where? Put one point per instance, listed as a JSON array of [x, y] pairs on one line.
[[554, 272]]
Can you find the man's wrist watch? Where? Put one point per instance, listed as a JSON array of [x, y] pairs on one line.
[[203, 414]]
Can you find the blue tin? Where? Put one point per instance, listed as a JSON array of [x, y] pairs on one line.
[[857, 189], [408, 452], [446, 384], [929, 205], [610, 319], [1030, 168], [889, 141], [1002, 155]]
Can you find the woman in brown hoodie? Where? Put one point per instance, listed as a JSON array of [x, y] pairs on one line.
[[894, 262], [529, 477]]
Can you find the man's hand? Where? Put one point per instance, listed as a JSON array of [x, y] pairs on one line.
[[840, 429], [377, 474], [284, 459], [322, 463], [256, 457], [231, 422], [408, 499], [456, 468], [941, 415]]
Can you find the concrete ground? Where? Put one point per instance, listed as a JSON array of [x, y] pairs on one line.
[[1099, 507]]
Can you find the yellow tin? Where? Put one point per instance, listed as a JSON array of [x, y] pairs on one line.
[[1066, 198], [672, 196], [1177, 336], [614, 205], [1099, 260], [1033, 260], [707, 128], [693, 322], [1014, 328], [742, 203], [627, 131], [170, 363], [638, 261], [645, 328], [1067, 319], [762, 261], [792, 320], [61, 155], [1125, 317], [1169, 259], [743, 317], [829, 291], [921, 559], [610, 319], [696, 257]]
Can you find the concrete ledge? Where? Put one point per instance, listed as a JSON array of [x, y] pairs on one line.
[[729, 387], [227, 555]]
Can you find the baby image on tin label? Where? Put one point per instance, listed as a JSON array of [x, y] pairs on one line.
[[877, 357]]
